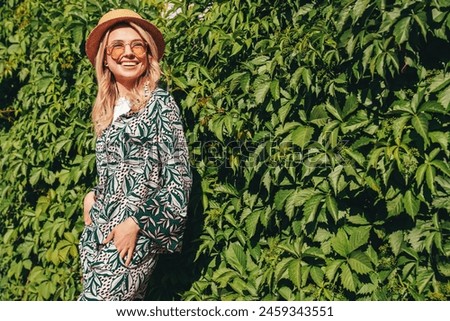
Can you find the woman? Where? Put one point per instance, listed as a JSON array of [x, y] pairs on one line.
[[138, 209]]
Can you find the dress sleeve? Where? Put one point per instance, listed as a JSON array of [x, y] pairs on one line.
[[95, 190], [162, 216]]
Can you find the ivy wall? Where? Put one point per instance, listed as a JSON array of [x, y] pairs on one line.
[[319, 139]]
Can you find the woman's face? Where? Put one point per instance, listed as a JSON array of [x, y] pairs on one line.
[[125, 56]]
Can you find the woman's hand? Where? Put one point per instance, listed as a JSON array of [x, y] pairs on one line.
[[89, 200], [124, 236]]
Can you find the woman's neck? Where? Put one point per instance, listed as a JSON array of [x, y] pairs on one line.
[[125, 90]]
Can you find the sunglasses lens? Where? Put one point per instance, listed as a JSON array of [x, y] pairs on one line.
[[138, 48], [117, 51]]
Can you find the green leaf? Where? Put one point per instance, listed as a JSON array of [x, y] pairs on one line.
[[358, 220], [280, 198], [295, 78], [314, 252], [399, 125], [295, 272], [238, 285], [334, 111], [358, 237], [395, 206], [367, 56], [368, 288], [37, 275], [355, 122], [359, 9], [260, 60], [430, 178], [372, 183], [280, 271], [355, 155], [292, 201], [441, 165], [332, 207], [421, 20], [244, 82], [372, 254], [401, 30], [317, 275], [235, 256], [332, 268], [311, 207], [439, 82], [262, 86], [340, 243], [319, 115], [402, 106], [444, 98], [360, 262], [286, 293], [347, 279], [306, 77], [442, 202], [343, 17], [420, 123], [10, 235], [441, 138], [35, 176], [216, 126], [251, 222], [423, 279], [420, 173], [302, 135], [432, 107], [226, 189], [334, 178], [411, 203], [396, 241], [236, 48], [283, 112], [275, 89], [351, 104], [223, 275]]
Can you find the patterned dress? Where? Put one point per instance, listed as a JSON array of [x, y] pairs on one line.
[[142, 164]]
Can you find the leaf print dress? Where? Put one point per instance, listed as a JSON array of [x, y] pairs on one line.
[[143, 171]]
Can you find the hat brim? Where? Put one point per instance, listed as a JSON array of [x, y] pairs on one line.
[[94, 38]]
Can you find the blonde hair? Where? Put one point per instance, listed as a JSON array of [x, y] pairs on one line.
[[103, 109]]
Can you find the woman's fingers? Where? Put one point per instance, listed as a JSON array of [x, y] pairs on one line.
[[123, 253], [126, 253], [129, 256], [109, 237], [125, 237]]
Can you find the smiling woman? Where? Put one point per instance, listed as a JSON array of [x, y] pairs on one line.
[[138, 209]]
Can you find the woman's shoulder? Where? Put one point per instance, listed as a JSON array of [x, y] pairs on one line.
[[164, 100], [160, 100], [161, 93]]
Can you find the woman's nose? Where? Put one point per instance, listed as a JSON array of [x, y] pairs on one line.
[[128, 50]]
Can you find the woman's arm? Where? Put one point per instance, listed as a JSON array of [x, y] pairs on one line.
[[162, 217]]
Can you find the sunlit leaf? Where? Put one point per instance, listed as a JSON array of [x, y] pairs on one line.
[[401, 30]]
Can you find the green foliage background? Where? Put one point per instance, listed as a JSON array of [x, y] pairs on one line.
[[319, 137]]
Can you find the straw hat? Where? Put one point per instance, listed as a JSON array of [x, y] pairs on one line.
[[116, 16]]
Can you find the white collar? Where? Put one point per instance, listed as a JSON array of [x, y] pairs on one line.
[[122, 106]]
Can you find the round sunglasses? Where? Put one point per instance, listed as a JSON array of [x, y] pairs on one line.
[[117, 48]]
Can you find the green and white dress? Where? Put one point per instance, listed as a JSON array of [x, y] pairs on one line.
[[143, 171]]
